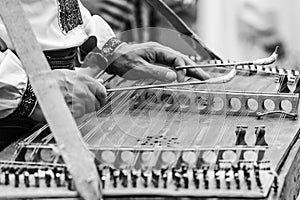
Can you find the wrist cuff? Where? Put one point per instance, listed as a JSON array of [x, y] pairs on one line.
[[110, 46], [108, 49], [27, 104]]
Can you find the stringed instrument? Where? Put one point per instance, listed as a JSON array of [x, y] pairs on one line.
[[227, 140], [231, 137]]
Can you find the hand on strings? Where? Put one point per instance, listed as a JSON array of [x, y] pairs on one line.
[[82, 93], [152, 60]]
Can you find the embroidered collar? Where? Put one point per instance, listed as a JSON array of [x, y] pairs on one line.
[[69, 15]]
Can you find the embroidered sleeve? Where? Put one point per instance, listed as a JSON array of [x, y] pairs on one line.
[[13, 83], [96, 26], [27, 104]]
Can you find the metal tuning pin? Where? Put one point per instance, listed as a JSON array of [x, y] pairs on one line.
[[145, 176], [164, 176], [196, 178], [155, 178], [240, 133], [6, 177], [57, 178], [227, 178], [248, 182], [185, 180], [205, 178], [48, 177], [184, 173], [124, 177], [177, 178], [256, 169], [235, 169], [246, 172], [260, 136], [17, 178], [26, 178], [134, 177], [257, 175], [247, 177], [217, 176], [36, 179], [69, 180], [102, 177], [115, 176]]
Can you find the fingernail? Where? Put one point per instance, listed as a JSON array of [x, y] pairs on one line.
[[170, 76]]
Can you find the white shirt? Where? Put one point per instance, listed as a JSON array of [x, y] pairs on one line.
[[45, 19]]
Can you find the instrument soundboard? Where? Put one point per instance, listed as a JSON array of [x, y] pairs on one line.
[[234, 140]]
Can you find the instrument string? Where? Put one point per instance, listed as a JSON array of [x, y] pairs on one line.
[[115, 109], [277, 129]]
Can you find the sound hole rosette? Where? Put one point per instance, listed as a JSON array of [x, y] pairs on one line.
[[252, 105], [135, 100], [209, 157], [229, 156], [218, 103], [128, 158], [147, 156], [235, 104], [250, 156], [202, 103], [184, 102], [107, 156], [286, 105], [268, 105], [167, 100], [47, 155], [151, 96], [189, 157], [168, 158]]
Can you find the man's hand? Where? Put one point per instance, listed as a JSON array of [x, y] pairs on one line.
[[82, 93], [152, 60]]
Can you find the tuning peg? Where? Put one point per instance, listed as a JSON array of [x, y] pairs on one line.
[[6, 177], [145, 176], [124, 177], [155, 178], [17, 179], [26, 178], [48, 177], [134, 177], [36, 179]]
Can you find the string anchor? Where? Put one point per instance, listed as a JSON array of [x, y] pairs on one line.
[[293, 116]]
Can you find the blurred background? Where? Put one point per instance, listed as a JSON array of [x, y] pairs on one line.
[[234, 29]]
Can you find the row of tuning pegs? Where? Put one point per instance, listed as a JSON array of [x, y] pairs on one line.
[[38, 177], [242, 176], [260, 132]]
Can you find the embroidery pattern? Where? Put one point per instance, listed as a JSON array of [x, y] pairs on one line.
[[27, 103], [110, 46], [69, 15]]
